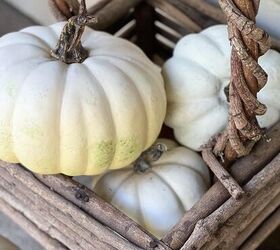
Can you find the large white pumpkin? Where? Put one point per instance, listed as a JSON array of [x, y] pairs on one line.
[[81, 118], [196, 76], [159, 196]]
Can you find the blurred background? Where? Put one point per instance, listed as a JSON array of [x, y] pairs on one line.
[[268, 15], [38, 9]]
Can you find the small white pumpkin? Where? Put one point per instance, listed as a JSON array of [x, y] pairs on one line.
[[195, 80], [156, 194], [80, 118]]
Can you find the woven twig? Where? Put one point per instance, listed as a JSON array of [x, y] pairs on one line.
[[242, 170], [63, 215], [41, 237], [224, 177], [102, 211], [248, 42], [238, 238], [263, 231], [248, 78], [205, 230], [176, 13], [224, 236]]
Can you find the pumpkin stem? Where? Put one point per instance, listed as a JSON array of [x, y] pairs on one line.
[[226, 91], [152, 154], [69, 48]]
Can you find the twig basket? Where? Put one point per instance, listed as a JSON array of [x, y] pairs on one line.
[[61, 214]]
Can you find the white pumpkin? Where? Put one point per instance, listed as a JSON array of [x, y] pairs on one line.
[[80, 118], [158, 196], [196, 76]]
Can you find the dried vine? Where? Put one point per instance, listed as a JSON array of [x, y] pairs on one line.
[[248, 42]]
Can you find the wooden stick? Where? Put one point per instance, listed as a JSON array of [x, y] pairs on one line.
[[42, 222], [192, 13], [113, 12], [81, 218], [117, 26], [6, 190], [243, 218], [172, 37], [6, 244], [77, 236], [67, 8], [101, 210], [206, 9], [42, 238], [236, 242], [132, 230], [216, 14], [94, 206], [224, 177], [98, 6], [64, 9], [206, 228], [175, 13], [171, 24], [59, 9], [106, 11], [127, 33], [242, 171], [263, 232], [275, 44]]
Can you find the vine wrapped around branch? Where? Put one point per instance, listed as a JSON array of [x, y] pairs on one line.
[[248, 43]]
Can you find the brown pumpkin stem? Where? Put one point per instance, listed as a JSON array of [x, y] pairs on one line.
[[152, 154], [69, 48]]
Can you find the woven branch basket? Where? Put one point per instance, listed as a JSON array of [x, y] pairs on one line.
[[61, 214]]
